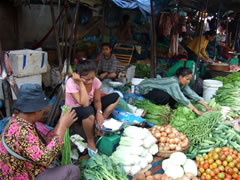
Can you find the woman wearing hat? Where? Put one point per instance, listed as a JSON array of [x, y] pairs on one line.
[[24, 153]]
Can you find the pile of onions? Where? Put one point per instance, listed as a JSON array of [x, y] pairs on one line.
[[169, 139]]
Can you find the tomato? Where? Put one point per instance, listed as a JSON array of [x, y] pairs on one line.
[[221, 168], [225, 148], [212, 173], [226, 153], [206, 165], [210, 161], [222, 157], [201, 170], [229, 158], [236, 170], [228, 176], [215, 156], [201, 159], [216, 171], [211, 167], [214, 165], [217, 149], [235, 162], [208, 171], [203, 177], [238, 165], [225, 163], [219, 162], [221, 175], [230, 171], [205, 157], [231, 165], [208, 177]]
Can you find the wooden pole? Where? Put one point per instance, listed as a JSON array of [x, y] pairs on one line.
[[153, 43], [66, 31], [60, 62]]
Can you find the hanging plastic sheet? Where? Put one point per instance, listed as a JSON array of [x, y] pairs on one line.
[[143, 5]]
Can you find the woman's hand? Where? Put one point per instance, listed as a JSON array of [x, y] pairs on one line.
[[103, 75], [211, 109], [99, 119], [67, 119], [77, 79]]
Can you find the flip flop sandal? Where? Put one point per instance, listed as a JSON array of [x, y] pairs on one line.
[[91, 152]]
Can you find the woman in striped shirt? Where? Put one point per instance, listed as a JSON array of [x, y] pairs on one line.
[[171, 90]]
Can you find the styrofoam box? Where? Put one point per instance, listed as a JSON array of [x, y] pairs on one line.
[[28, 62], [35, 79]]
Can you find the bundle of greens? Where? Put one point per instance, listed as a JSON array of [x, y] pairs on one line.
[[66, 149], [158, 115], [101, 167], [181, 116], [142, 71], [230, 79], [228, 95]]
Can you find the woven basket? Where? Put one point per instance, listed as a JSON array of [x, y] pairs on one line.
[[168, 153]]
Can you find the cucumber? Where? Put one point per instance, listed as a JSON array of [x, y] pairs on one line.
[[209, 141], [206, 150]]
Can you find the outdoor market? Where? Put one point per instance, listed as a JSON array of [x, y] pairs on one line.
[[120, 89]]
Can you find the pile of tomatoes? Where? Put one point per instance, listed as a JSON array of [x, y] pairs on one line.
[[221, 163]]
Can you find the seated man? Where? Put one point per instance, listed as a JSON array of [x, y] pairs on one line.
[[107, 67]]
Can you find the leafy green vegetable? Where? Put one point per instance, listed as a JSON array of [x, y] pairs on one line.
[[156, 114], [66, 149], [142, 71], [100, 167]]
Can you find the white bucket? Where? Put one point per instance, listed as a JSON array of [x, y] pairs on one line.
[[210, 88]]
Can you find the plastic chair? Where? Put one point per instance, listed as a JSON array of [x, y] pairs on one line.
[[123, 53]]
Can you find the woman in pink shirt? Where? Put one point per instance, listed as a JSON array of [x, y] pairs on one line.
[[84, 95]]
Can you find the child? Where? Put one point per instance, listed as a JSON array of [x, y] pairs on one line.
[[24, 154], [84, 95], [107, 67]]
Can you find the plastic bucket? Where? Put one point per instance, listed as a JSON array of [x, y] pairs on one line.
[[210, 88]]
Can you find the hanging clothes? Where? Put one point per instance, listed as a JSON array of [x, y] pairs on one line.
[[7, 64], [165, 25]]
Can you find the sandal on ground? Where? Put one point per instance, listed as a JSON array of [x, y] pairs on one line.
[[91, 152]]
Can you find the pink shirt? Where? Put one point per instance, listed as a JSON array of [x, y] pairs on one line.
[[72, 87]]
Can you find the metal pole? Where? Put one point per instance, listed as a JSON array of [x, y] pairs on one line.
[[153, 43], [56, 36]]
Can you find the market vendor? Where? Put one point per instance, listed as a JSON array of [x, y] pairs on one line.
[[170, 90], [24, 152], [107, 67], [84, 95], [193, 47]]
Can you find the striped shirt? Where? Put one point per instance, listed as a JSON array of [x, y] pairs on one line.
[[108, 65], [171, 86]]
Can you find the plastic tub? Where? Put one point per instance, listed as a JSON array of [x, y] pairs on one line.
[[210, 88]]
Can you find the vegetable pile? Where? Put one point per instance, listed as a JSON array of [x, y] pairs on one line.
[[158, 115], [142, 71], [222, 163], [196, 129], [66, 149], [169, 139], [178, 165], [230, 79], [100, 167], [136, 149], [228, 95], [148, 176], [222, 135]]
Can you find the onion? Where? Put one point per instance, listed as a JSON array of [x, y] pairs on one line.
[[171, 135], [159, 127], [164, 134], [178, 148], [162, 144], [168, 126], [172, 141], [158, 135], [166, 148], [185, 143], [172, 146], [177, 140], [163, 139], [162, 129], [174, 130], [168, 130], [161, 148], [182, 137]]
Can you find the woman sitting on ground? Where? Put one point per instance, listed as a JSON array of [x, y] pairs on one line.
[[171, 90], [24, 153], [84, 95]]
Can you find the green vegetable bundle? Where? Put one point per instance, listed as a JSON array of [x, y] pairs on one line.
[[228, 95], [222, 135], [142, 71], [230, 79], [181, 116], [199, 129], [100, 167], [66, 149], [156, 114]]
